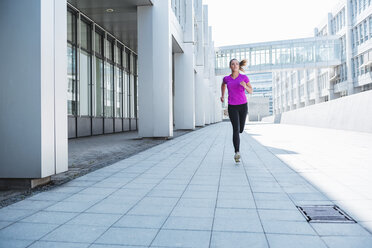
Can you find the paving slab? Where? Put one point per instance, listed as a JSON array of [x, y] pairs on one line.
[[189, 192]]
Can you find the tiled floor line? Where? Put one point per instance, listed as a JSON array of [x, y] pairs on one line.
[[201, 162], [227, 136], [245, 141]]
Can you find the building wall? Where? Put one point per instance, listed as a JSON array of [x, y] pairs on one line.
[[352, 22]]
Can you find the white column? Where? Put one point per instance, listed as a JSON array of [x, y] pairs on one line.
[[33, 95], [298, 83], [306, 92], [316, 86], [206, 101], [291, 87], [199, 97], [184, 86], [155, 70]]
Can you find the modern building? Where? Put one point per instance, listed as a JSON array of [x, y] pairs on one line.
[[351, 22], [262, 84], [89, 67], [266, 59]]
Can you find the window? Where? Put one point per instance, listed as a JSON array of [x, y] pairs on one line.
[[85, 83], [71, 63], [118, 82], [361, 33], [98, 97], [365, 30], [126, 95]]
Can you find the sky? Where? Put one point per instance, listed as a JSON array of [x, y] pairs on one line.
[[248, 21]]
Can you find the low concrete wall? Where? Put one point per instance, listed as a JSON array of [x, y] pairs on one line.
[[352, 112], [269, 119]]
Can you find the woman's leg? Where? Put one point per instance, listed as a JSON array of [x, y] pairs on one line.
[[242, 116], [234, 118]]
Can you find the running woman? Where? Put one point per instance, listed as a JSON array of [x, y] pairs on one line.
[[237, 101]]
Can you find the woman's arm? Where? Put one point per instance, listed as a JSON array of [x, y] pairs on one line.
[[223, 88], [247, 86]]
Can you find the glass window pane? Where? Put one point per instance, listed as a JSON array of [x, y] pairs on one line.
[[125, 95], [108, 49], [99, 88], [85, 35], [71, 18], [85, 82], [98, 44], [125, 60], [109, 90], [131, 95], [118, 92], [71, 77], [117, 54]]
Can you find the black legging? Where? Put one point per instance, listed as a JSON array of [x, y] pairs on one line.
[[237, 115]]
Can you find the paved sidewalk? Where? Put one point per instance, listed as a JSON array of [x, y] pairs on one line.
[[87, 154], [186, 192]]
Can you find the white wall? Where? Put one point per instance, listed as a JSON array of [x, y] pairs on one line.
[[352, 112]]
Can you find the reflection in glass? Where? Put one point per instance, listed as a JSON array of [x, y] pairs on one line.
[[99, 88], [85, 83], [118, 92], [131, 96], [109, 90], [71, 78], [125, 95]]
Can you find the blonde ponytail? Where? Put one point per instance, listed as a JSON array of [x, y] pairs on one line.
[[242, 64]]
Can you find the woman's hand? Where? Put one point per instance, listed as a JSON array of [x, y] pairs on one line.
[[222, 99], [244, 84], [247, 86]]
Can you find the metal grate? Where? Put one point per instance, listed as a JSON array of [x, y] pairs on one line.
[[324, 213]]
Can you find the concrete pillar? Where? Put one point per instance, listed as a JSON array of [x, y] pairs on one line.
[[155, 70], [316, 86], [184, 87], [33, 121], [199, 34], [207, 98], [291, 86], [199, 97], [285, 84], [298, 83], [306, 92], [349, 47], [331, 92]]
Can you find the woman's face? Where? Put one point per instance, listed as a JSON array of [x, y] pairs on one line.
[[234, 65]]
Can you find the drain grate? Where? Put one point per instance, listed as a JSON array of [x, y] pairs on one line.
[[324, 213]]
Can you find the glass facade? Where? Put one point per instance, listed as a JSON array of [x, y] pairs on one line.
[[102, 74], [262, 84], [281, 54], [71, 63]]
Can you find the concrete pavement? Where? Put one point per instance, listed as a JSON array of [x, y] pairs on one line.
[[186, 192]]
